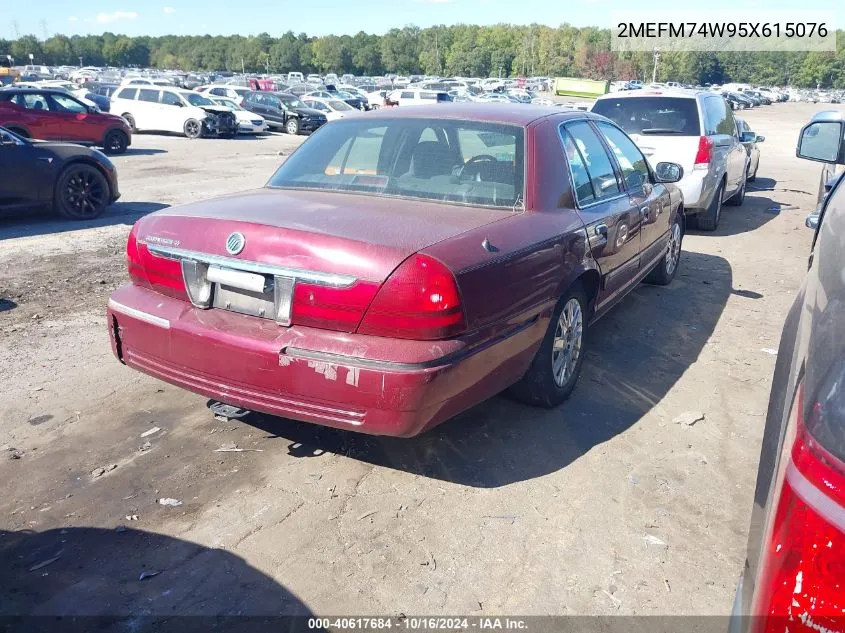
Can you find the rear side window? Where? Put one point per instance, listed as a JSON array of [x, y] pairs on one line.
[[718, 118], [578, 170], [407, 95], [676, 116], [128, 93], [596, 160], [145, 94]]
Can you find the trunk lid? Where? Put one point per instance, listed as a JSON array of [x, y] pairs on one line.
[[357, 235]]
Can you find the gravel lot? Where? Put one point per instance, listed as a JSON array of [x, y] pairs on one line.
[[602, 506]]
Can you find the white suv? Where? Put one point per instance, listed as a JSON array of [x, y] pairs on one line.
[[160, 109], [695, 129]]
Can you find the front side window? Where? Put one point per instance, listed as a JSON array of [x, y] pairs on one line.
[[62, 103], [634, 167], [596, 160], [453, 161], [171, 99]]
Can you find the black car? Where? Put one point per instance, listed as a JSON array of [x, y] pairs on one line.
[[76, 182], [283, 111], [795, 563], [102, 102]]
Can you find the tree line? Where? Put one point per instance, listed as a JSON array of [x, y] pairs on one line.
[[464, 50]]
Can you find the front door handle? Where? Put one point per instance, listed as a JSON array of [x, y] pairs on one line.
[[645, 210]]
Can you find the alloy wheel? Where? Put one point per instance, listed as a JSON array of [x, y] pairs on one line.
[[566, 345], [673, 250], [84, 193]]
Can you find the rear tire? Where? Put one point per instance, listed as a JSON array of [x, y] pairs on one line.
[[292, 126], [130, 120], [555, 369], [709, 219], [192, 129], [667, 267], [81, 193], [738, 198]]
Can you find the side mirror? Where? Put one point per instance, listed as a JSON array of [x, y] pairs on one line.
[[822, 141], [748, 137], [668, 172], [759, 139], [812, 221]]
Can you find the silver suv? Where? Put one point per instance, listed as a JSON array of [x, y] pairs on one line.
[[693, 128]]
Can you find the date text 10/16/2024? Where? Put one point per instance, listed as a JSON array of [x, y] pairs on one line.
[[418, 624]]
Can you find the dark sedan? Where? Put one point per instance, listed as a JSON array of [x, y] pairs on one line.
[[76, 182], [283, 111], [378, 282], [795, 565], [359, 103]]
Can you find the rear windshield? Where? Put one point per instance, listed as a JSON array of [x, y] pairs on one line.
[[433, 159], [652, 115]]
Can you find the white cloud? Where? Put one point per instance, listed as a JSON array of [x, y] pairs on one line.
[[169, 10], [106, 18], [73, 18]]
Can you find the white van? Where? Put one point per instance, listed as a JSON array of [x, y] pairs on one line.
[[295, 78], [417, 96], [162, 109]]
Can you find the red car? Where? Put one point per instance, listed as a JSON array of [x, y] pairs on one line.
[[402, 266], [55, 115]]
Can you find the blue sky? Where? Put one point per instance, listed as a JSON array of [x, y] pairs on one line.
[[320, 17]]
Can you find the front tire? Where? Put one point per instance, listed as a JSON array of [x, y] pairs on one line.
[[116, 142], [555, 369], [192, 129], [292, 126], [667, 267], [81, 193]]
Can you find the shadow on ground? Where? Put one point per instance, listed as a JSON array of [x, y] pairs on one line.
[[635, 355], [31, 224], [143, 151], [756, 210], [85, 572]]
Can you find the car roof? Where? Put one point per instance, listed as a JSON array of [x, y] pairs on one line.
[[657, 92], [828, 115], [516, 113], [55, 91]]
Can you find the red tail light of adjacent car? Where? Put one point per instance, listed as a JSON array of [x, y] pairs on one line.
[[150, 271], [420, 300], [704, 154], [801, 584]]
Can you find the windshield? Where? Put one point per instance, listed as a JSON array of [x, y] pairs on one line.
[[652, 115], [334, 104], [293, 103], [197, 99], [434, 159]]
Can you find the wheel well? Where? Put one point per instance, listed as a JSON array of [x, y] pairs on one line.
[[20, 131], [589, 281]]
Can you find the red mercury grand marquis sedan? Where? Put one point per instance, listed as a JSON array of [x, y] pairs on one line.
[[402, 266]]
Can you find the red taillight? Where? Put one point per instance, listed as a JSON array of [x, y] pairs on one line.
[[704, 154], [337, 309], [150, 271], [420, 300], [801, 581]]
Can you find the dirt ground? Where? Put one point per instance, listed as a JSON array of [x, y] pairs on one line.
[[602, 506]]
